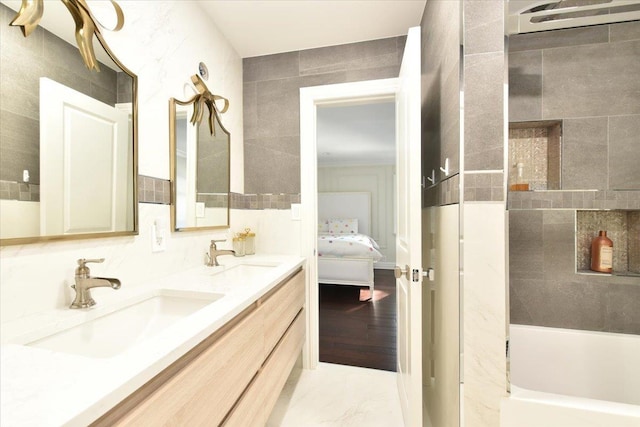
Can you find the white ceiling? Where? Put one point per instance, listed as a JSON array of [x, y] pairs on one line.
[[363, 134], [263, 27]]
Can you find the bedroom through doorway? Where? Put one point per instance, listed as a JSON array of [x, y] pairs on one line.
[[356, 149]]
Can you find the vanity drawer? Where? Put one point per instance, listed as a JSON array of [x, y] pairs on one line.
[[280, 308], [251, 354], [203, 391], [256, 404]]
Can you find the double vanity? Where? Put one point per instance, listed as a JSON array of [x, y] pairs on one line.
[[210, 345]]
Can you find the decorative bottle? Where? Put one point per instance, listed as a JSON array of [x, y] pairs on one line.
[[602, 253]]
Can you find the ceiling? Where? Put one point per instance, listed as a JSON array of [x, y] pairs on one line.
[[360, 134], [263, 27]]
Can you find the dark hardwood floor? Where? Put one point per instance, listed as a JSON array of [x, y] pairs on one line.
[[355, 331]]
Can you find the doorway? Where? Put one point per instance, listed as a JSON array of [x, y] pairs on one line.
[[311, 99], [356, 145]]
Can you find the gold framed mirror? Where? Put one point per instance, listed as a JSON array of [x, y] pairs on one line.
[[68, 168], [200, 165]]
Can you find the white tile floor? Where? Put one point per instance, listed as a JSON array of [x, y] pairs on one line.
[[338, 396]]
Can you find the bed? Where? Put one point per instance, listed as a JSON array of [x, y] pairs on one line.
[[346, 252]]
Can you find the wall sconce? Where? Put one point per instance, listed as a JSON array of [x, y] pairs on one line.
[[87, 25]]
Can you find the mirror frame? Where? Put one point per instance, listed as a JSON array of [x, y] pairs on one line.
[[173, 103], [134, 153]]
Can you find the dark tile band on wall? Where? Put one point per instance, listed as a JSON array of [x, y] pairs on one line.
[[263, 201], [605, 199], [446, 192], [154, 190], [24, 192], [483, 187]]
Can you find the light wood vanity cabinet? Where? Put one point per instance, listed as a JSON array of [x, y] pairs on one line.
[[233, 377]]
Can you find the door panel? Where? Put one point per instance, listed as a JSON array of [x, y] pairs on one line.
[[408, 238], [83, 163], [441, 321]]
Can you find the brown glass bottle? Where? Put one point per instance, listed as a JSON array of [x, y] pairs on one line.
[[602, 253]]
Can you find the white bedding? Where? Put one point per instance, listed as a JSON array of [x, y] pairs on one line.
[[348, 245]]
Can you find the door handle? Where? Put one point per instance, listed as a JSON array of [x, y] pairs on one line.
[[398, 272]]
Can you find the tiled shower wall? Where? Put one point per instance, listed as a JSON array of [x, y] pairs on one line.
[[545, 289], [272, 103], [588, 77]]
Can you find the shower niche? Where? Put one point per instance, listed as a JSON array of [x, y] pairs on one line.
[[535, 155], [622, 227]]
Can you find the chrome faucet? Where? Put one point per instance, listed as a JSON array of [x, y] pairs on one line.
[[214, 252], [84, 282]]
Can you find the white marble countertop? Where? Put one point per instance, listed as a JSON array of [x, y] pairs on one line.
[[45, 388]]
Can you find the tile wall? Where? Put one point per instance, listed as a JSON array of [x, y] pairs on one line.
[[272, 106], [545, 289], [586, 78]]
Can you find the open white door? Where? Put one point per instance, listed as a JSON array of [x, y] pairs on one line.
[[84, 153], [409, 235]]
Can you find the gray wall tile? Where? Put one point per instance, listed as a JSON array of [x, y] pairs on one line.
[[271, 67], [525, 86], [584, 154], [483, 26], [363, 55], [585, 81], [272, 103], [621, 306], [440, 69], [624, 31], [278, 108], [558, 38], [624, 152], [484, 111], [250, 110]]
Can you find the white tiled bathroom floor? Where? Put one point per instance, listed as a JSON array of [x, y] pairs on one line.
[[338, 396]]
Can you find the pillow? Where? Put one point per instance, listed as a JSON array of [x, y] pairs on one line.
[[343, 226], [323, 226]]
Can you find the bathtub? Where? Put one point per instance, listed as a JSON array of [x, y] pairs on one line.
[[571, 378]]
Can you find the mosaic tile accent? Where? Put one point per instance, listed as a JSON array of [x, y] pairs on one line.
[[604, 199], [154, 190], [616, 224], [263, 201], [19, 191], [633, 224], [537, 146], [483, 187]]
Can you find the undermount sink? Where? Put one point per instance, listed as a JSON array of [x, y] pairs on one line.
[[117, 331]]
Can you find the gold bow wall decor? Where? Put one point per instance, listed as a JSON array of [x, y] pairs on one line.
[[87, 25], [205, 97]]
